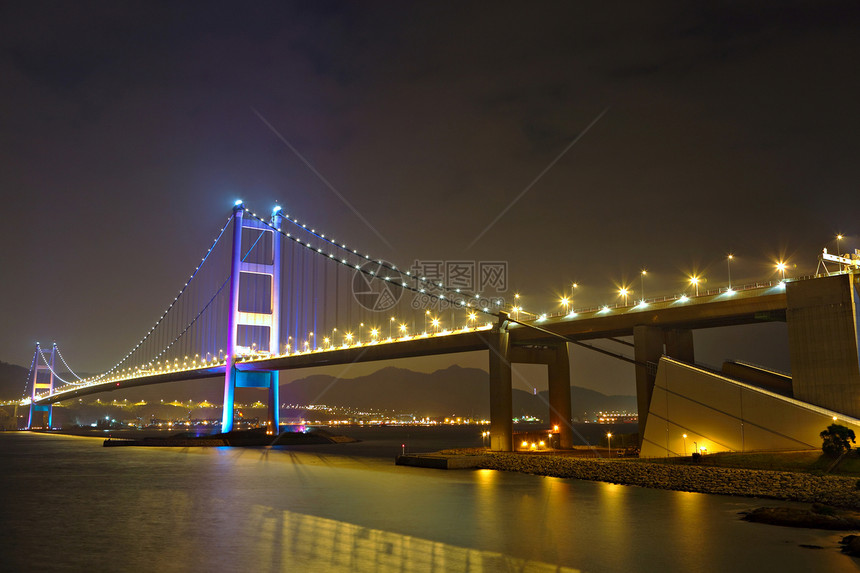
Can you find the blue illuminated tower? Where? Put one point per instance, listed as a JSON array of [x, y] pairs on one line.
[[234, 376], [41, 380]]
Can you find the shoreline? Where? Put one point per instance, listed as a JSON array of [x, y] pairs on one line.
[[836, 491]]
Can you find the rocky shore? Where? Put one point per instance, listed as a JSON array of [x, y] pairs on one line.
[[829, 490]]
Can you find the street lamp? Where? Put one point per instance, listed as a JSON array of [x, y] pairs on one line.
[[839, 237], [694, 280], [609, 441], [685, 445], [780, 266], [403, 329], [435, 323], [642, 277], [373, 333], [623, 292], [565, 302], [729, 264]]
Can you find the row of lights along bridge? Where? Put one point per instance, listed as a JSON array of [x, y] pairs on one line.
[[625, 291], [398, 330]]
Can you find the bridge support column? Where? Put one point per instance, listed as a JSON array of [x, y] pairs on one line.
[[265, 379], [232, 322], [268, 315], [501, 401], [679, 345], [647, 348], [823, 317], [41, 415], [559, 395]]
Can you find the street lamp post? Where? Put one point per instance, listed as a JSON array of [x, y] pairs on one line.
[[839, 237], [780, 266], [729, 263], [609, 441], [695, 282], [685, 445], [642, 279], [623, 292]]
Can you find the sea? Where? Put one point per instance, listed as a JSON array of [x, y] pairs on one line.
[[69, 504]]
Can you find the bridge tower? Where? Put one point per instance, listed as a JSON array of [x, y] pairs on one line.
[[235, 377], [41, 379]]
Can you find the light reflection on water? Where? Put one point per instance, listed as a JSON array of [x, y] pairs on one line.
[[69, 504]]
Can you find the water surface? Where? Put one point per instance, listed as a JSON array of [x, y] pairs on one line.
[[70, 504]]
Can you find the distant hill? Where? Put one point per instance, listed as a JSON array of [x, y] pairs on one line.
[[454, 391], [13, 381]]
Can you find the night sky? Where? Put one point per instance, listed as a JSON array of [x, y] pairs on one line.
[[576, 142]]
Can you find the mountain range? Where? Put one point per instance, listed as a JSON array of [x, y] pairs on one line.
[[453, 391], [13, 381]]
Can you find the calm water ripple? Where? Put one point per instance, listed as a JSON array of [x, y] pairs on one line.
[[69, 504]]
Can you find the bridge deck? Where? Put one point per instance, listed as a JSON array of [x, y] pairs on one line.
[[766, 303]]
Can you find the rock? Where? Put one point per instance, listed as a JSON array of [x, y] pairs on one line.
[[851, 545], [796, 517]]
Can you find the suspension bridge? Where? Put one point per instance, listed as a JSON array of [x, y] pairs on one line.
[[274, 294]]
